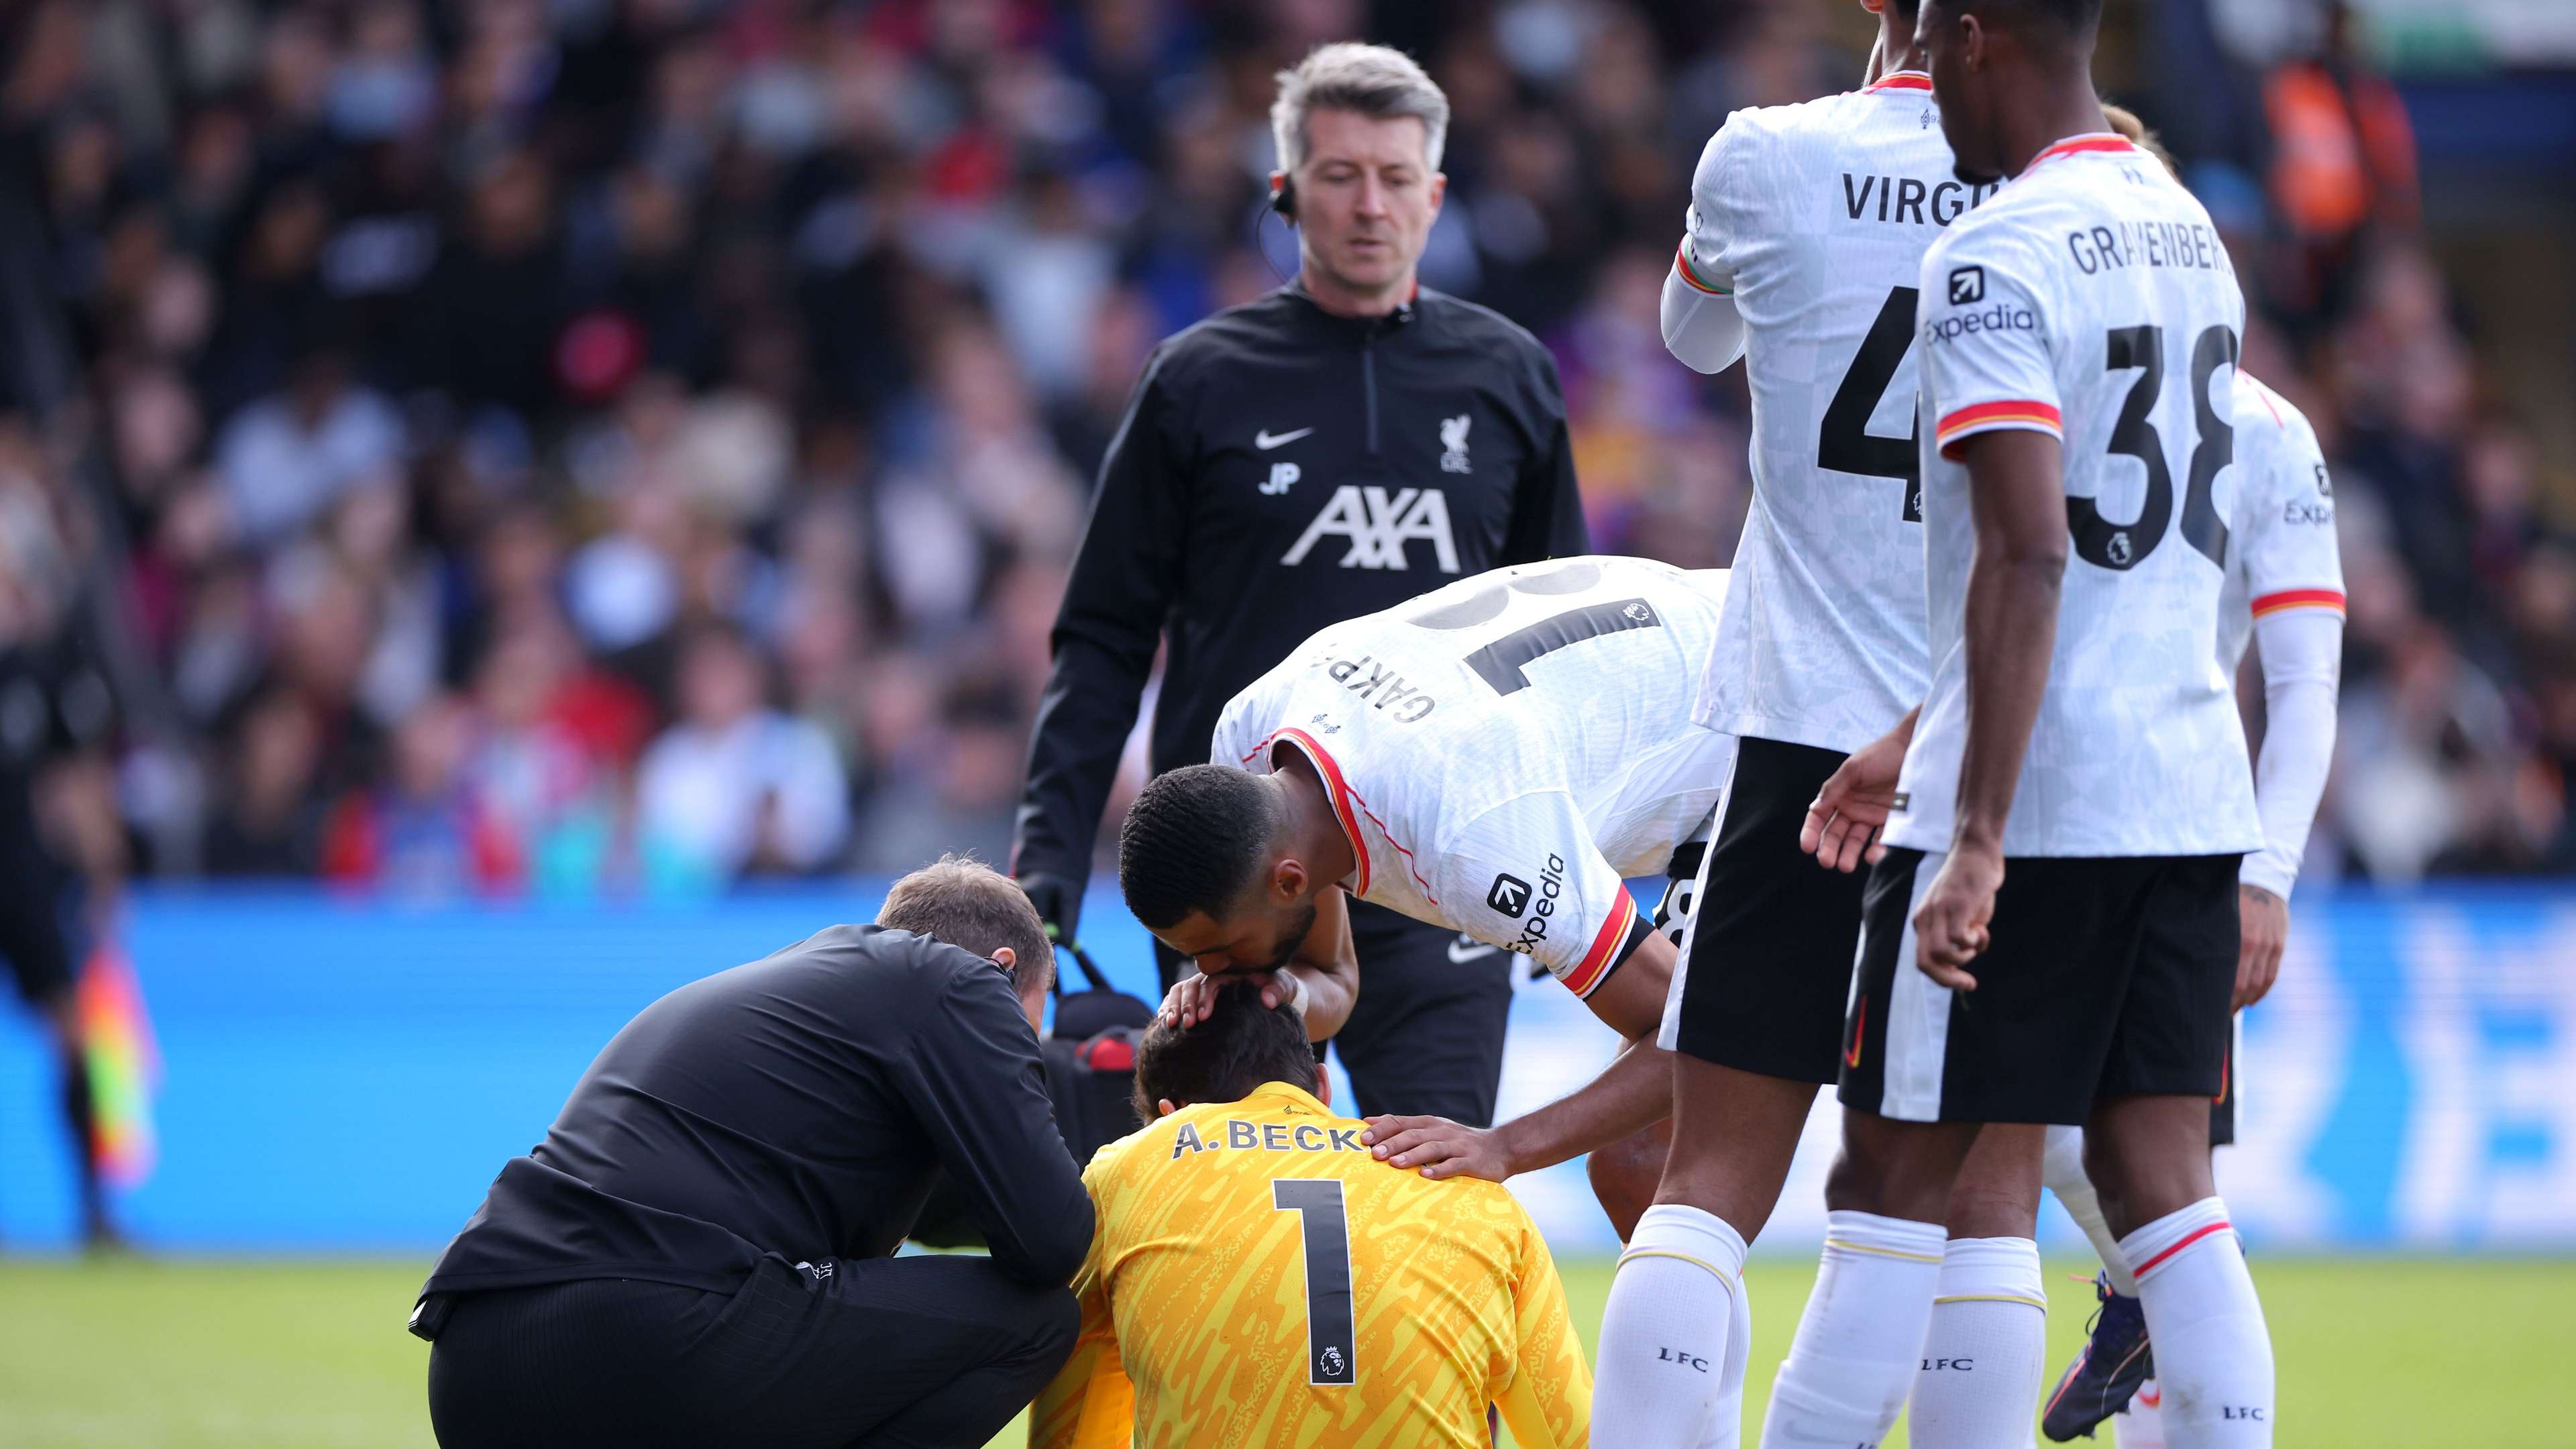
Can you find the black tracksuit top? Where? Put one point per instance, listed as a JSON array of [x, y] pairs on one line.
[[1282, 468]]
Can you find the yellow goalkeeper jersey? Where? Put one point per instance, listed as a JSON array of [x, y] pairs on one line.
[[1258, 1281]]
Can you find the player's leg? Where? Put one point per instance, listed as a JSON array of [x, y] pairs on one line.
[[1425, 1036], [1988, 1341], [2142, 1425], [1754, 1021], [2147, 1151], [2027, 1047], [2116, 1364], [1855, 1353]]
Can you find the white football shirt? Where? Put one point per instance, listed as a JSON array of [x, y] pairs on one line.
[[1503, 750], [2282, 554], [2092, 299], [1816, 217]]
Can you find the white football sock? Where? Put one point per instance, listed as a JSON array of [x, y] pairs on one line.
[[2213, 1354], [1666, 1337], [1858, 1343], [1726, 1415], [2063, 1171], [1978, 1387], [2142, 1426]]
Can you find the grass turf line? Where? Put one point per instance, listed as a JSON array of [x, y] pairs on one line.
[[190, 1355]]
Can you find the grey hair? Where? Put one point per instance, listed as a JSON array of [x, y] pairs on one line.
[[1377, 81]]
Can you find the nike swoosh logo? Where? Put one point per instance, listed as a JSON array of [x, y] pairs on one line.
[[1467, 948], [1266, 440]]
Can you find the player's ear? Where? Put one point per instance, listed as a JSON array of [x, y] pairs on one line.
[[1288, 879], [1163, 1107], [1323, 1085]]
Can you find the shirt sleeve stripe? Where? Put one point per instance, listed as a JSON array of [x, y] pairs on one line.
[[2299, 599], [2024, 414], [2017, 413], [1605, 952], [1682, 264]]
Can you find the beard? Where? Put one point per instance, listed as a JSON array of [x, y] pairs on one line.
[[1299, 928]]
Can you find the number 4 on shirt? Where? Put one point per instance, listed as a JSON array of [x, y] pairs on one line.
[[1332, 1346], [1844, 442]]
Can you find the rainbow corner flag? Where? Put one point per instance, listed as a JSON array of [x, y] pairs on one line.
[[124, 1066]]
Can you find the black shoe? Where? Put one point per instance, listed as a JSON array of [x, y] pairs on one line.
[[2115, 1360]]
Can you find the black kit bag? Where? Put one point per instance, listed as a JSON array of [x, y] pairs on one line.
[[1091, 1060]]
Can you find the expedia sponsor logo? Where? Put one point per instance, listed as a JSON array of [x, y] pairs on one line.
[[1510, 896], [1997, 318], [1540, 903], [2319, 514], [1386, 691]]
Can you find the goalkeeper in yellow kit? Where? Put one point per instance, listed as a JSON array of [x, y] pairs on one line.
[[1257, 1279]]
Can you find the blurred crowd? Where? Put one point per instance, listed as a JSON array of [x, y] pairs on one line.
[[569, 446]]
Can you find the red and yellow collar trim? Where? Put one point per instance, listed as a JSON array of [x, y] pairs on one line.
[[1899, 80], [2076, 145], [1341, 792]]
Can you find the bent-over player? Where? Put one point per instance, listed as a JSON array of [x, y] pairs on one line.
[[1492, 757], [1258, 1279]]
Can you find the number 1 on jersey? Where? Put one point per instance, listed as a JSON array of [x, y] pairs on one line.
[[1844, 443], [1332, 1346]]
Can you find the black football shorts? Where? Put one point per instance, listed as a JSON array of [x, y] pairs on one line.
[[2105, 978], [1765, 971]]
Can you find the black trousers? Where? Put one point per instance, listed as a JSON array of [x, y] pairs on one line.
[[911, 1352], [1426, 1035]]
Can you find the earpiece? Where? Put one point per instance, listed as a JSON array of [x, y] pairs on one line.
[[1283, 198]]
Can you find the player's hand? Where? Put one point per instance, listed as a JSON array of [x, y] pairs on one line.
[[2265, 930], [1843, 821], [1951, 926], [1192, 999], [1437, 1146]]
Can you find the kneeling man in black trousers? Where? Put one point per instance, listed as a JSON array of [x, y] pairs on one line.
[[699, 1251]]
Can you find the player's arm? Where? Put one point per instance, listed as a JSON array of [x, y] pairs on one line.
[[2302, 659], [1995, 401], [2294, 585], [1844, 820], [2017, 499], [1701, 326], [1548, 1400], [1126, 572], [1508, 881]]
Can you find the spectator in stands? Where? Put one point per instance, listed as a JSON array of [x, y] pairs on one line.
[[403, 325], [735, 787]]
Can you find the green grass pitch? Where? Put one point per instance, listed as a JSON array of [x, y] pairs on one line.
[[185, 1355]]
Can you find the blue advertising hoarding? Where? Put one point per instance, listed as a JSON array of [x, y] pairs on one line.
[[345, 1076]]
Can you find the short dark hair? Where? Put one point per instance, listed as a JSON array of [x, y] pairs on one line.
[[1193, 841], [1225, 1057], [966, 903]]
